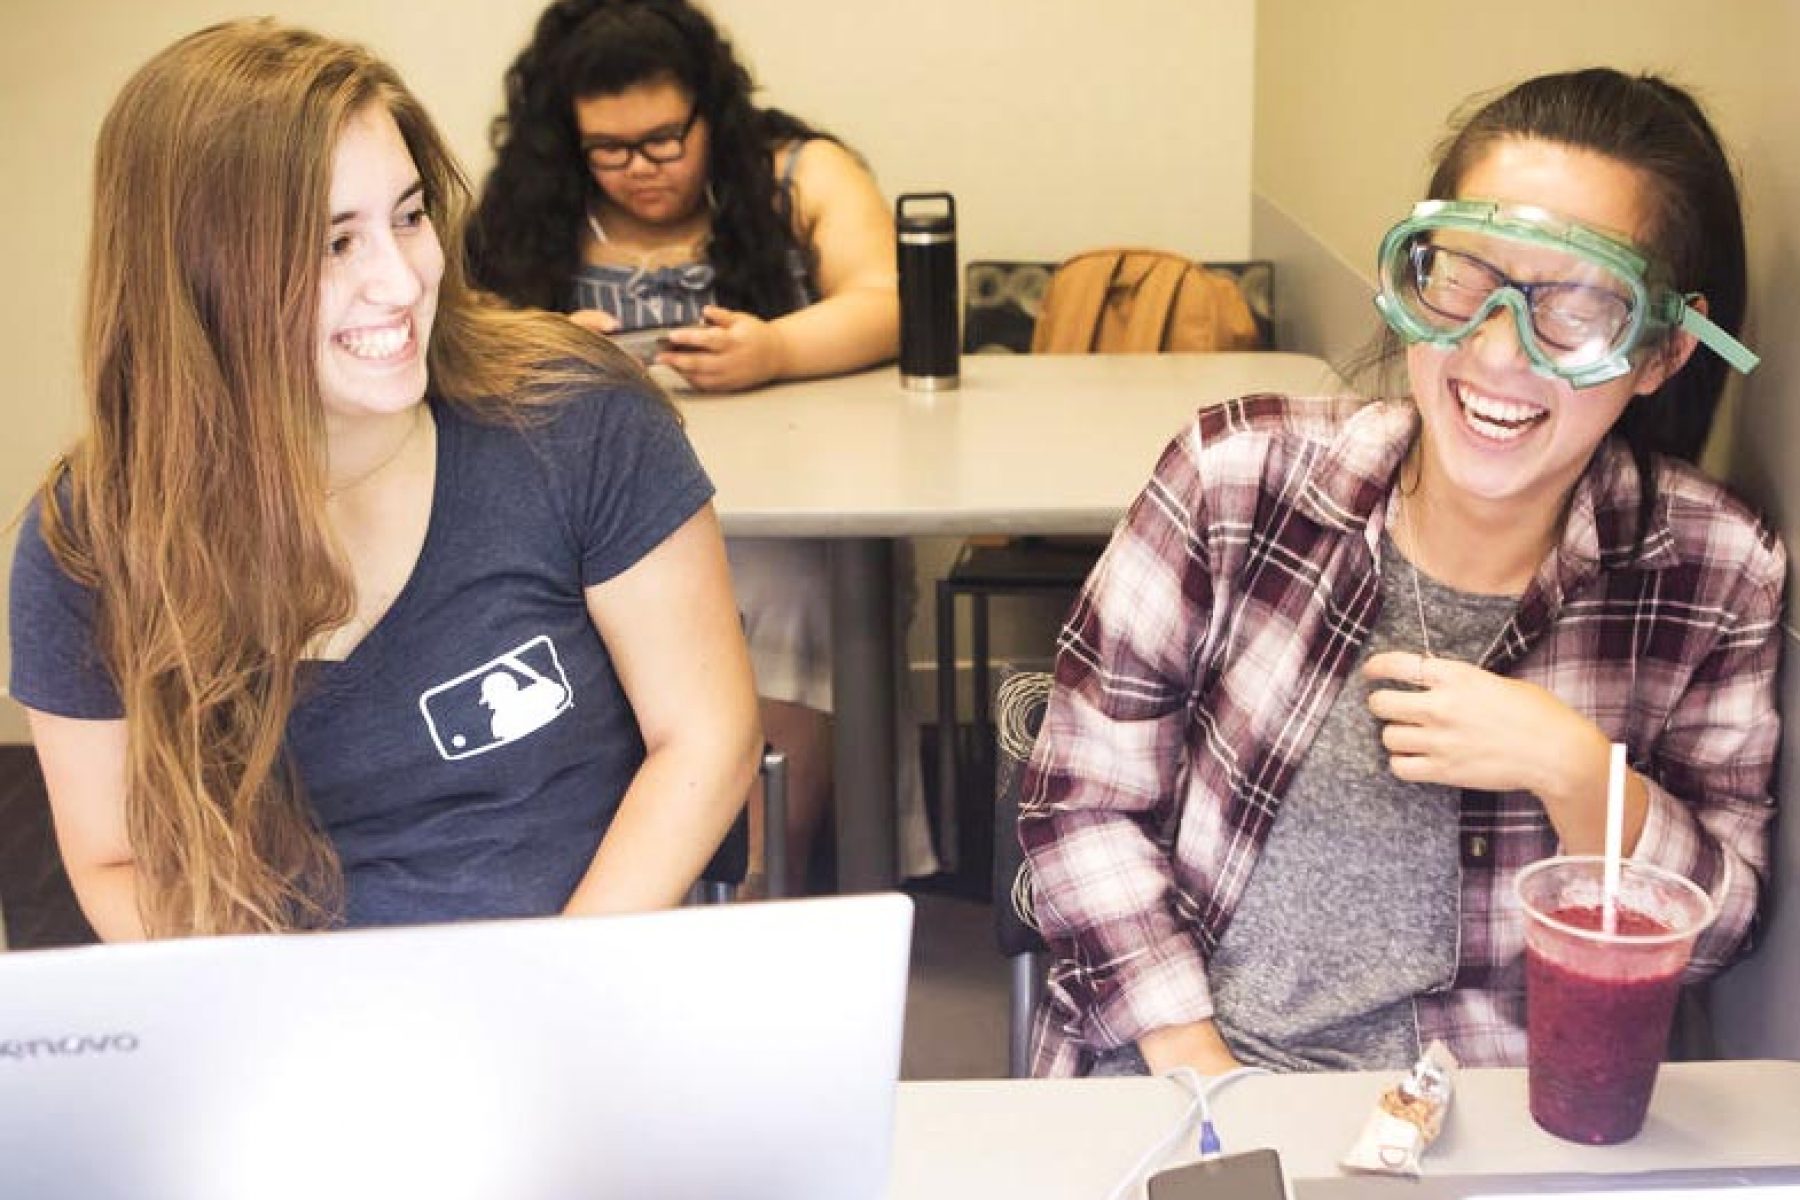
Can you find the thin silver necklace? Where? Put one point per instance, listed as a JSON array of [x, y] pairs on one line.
[[419, 418], [647, 260], [1412, 570]]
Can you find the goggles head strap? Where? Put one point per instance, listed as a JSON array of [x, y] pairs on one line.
[[1693, 321]]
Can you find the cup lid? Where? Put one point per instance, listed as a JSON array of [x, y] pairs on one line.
[[1705, 908]]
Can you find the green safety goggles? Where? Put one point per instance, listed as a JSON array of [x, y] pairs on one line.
[[1591, 300]]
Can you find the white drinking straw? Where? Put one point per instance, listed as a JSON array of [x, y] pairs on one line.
[[1615, 838]]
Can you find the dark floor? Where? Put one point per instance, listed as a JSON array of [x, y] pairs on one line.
[[956, 1010], [956, 1006]]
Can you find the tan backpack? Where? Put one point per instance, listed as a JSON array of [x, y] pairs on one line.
[[1128, 301]]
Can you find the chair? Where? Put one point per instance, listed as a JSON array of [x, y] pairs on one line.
[[1002, 300], [1018, 712], [983, 569], [1003, 303], [719, 882]]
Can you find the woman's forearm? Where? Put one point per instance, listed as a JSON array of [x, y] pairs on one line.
[[1198, 1045], [854, 329], [108, 898], [668, 826]]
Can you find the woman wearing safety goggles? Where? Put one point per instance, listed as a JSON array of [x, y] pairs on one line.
[[1348, 667], [1594, 300]]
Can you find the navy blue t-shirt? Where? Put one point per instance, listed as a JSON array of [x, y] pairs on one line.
[[469, 754]]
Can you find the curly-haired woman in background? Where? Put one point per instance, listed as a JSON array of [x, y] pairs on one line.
[[637, 187]]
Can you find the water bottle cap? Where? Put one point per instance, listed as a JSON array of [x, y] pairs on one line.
[[932, 219]]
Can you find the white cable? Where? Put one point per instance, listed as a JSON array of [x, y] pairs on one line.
[[1219, 1083], [1188, 1078]]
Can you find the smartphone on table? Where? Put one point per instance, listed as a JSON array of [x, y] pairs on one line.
[[1252, 1175]]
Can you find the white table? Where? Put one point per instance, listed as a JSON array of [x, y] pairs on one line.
[[1075, 1139], [1028, 444]]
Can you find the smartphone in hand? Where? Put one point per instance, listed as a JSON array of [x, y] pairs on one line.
[[1253, 1175], [643, 344]]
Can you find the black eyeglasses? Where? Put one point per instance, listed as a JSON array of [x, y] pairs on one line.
[[1565, 316], [665, 145]]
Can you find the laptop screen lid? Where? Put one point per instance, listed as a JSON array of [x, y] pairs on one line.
[[746, 1050]]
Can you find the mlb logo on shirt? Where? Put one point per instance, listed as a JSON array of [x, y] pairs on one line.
[[504, 699]]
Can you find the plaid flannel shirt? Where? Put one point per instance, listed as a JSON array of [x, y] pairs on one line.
[[1212, 638]]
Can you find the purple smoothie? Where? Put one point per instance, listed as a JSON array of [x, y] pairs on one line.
[[1596, 1040]]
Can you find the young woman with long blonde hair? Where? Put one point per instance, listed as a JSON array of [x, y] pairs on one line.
[[362, 599]]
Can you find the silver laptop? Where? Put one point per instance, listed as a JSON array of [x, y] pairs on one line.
[[743, 1052]]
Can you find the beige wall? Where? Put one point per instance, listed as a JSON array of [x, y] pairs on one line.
[[1351, 99], [1054, 129]]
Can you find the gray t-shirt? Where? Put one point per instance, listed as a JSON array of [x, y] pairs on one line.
[[1352, 909], [469, 754]]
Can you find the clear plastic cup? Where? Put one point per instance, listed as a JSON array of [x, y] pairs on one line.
[[1598, 1004]]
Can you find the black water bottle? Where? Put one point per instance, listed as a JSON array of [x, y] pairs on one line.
[[930, 351]]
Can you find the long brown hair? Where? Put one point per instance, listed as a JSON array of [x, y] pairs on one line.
[[194, 504]]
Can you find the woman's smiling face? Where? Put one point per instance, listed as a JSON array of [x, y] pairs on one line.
[[383, 264], [1495, 430]]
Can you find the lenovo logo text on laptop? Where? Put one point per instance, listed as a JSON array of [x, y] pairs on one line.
[[72, 1045]]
